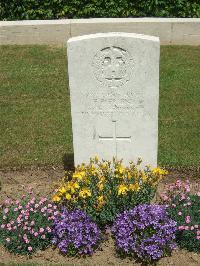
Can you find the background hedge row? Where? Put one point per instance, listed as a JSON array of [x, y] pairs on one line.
[[54, 9]]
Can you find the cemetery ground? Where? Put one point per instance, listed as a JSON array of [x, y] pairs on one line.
[[36, 137]]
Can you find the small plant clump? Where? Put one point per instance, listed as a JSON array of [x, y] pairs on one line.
[[184, 207], [75, 233], [145, 232], [26, 224], [104, 188]]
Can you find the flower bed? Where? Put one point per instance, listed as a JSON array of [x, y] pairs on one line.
[[104, 188], [76, 224]]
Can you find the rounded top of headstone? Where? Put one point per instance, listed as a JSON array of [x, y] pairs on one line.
[[115, 34]]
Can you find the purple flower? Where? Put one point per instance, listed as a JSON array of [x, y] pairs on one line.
[[74, 232], [145, 231]]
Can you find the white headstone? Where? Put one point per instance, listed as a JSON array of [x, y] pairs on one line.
[[114, 91]]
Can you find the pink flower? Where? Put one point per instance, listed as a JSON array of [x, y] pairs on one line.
[[26, 241], [32, 223], [19, 207], [192, 228], [198, 237], [3, 226], [15, 227], [8, 201], [198, 193], [179, 213], [178, 183], [36, 234], [186, 227], [32, 201], [17, 202], [30, 248], [15, 209], [36, 206], [41, 230], [196, 226], [49, 205], [181, 227], [43, 236], [198, 232], [187, 219], [183, 197], [8, 225], [6, 210], [48, 229]]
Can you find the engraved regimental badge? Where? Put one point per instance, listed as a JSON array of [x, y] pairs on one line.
[[112, 66]]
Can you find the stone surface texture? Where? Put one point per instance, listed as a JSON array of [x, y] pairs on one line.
[[184, 31], [114, 91]]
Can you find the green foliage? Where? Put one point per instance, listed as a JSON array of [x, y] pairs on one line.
[[25, 225], [53, 9]]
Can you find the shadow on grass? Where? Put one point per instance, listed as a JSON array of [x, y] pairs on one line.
[[68, 161]]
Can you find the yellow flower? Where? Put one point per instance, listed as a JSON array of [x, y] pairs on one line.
[[93, 170], [79, 175], [122, 189], [144, 177], [134, 187], [120, 169], [104, 166], [96, 159], [76, 185], [128, 175], [68, 196], [84, 193], [159, 171], [100, 199], [102, 179], [62, 190], [100, 185], [56, 198]]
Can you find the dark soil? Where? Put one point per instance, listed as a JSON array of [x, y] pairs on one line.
[[43, 181]]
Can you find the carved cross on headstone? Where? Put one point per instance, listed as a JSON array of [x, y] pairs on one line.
[[115, 138]]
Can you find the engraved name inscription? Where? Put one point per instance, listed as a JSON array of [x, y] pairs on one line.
[[111, 102]]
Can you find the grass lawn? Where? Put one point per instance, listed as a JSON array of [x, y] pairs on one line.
[[35, 125]]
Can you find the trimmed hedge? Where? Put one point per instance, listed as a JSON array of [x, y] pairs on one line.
[[54, 9]]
